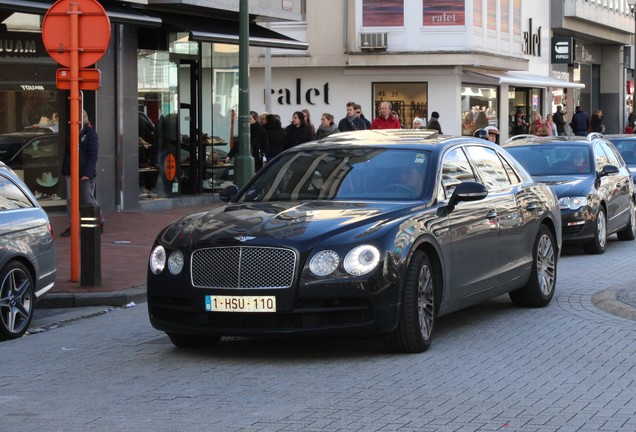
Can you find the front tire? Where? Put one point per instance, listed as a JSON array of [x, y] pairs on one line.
[[540, 288], [414, 332], [629, 232], [193, 341], [598, 245], [16, 300]]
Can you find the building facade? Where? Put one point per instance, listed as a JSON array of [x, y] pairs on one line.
[[475, 62], [168, 96]]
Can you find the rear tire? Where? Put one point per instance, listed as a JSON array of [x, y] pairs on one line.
[[598, 245], [629, 232], [540, 288], [193, 341], [414, 332]]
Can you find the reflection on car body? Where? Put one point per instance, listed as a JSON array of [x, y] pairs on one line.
[[594, 186], [330, 238]]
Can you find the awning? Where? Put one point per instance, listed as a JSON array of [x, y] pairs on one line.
[[117, 12], [519, 79], [207, 29]]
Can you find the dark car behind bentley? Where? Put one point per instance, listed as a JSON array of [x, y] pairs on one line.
[[594, 186], [361, 233]]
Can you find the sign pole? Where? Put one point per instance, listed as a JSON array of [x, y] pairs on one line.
[[76, 34], [75, 125]]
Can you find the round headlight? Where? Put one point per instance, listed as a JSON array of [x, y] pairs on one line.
[[324, 263], [361, 260], [175, 262], [157, 259]]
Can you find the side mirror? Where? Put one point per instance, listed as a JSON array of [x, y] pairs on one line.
[[228, 193], [609, 170], [467, 191]]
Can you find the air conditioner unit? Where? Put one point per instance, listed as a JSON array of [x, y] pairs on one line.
[[373, 41]]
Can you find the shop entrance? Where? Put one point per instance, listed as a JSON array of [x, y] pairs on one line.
[[190, 163], [524, 101]]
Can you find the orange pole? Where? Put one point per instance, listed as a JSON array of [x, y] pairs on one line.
[[75, 124]]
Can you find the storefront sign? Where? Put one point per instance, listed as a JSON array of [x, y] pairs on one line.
[[299, 96], [19, 44], [562, 50], [532, 41]]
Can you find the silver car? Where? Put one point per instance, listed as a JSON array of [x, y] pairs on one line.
[[28, 262]]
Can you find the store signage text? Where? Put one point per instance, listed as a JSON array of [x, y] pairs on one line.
[[532, 41], [27, 87], [299, 96], [562, 50], [17, 46]]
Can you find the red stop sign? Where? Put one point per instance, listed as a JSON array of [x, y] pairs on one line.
[[93, 33]]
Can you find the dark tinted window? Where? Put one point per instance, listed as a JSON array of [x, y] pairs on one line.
[[491, 170]]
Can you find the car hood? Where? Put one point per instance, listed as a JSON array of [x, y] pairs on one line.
[[570, 186], [292, 222]]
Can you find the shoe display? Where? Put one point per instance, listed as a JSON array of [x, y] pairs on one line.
[[66, 233]]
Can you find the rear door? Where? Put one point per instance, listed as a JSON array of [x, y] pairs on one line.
[[615, 188]]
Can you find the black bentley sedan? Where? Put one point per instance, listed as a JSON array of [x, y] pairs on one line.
[[362, 233], [594, 186]]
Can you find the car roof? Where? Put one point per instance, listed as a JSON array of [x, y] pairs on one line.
[[526, 140], [397, 138]]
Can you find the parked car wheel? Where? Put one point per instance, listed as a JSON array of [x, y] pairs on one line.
[[417, 319], [598, 245], [16, 300], [629, 232], [193, 341], [540, 287]]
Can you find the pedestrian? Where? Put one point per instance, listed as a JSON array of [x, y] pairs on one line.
[[276, 136], [492, 134], [538, 126], [482, 120], [519, 123], [580, 122], [433, 123], [386, 119], [88, 153], [262, 118], [596, 123], [297, 132], [327, 126], [468, 124], [549, 121], [259, 143], [630, 122], [310, 125], [360, 114], [417, 123], [351, 122], [559, 120]]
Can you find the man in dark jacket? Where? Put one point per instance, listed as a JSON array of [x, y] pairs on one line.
[[88, 152], [559, 120], [433, 123], [580, 122], [351, 121]]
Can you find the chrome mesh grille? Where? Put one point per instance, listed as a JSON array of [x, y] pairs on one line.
[[243, 267]]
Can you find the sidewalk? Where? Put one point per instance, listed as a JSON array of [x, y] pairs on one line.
[[125, 247]]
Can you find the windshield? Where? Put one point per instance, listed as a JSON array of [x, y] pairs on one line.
[[547, 160], [342, 174]]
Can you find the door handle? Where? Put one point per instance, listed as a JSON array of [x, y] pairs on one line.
[[532, 207]]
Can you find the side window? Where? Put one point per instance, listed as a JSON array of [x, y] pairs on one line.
[[611, 154], [600, 157], [455, 170], [512, 174], [11, 196], [490, 168]]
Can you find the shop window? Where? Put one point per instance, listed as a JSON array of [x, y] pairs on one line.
[[443, 12], [382, 13], [409, 100], [479, 108]]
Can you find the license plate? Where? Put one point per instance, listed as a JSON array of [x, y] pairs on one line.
[[240, 303]]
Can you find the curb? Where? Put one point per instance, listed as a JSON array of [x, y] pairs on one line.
[[71, 300], [607, 300]]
